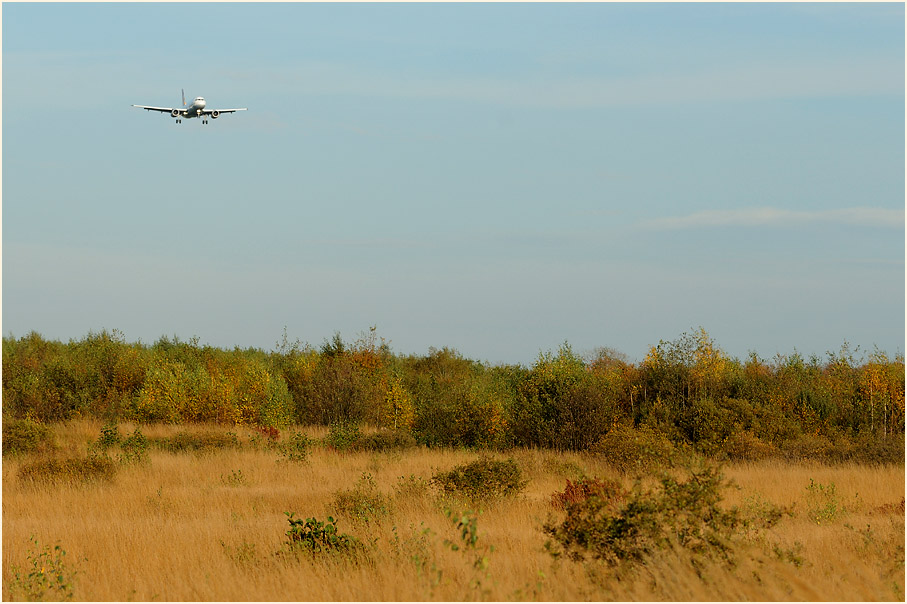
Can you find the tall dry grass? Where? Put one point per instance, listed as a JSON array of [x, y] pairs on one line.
[[207, 527]]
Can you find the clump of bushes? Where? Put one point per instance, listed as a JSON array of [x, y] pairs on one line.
[[69, 469], [296, 449], [484, 478], [363, 503], [635, 449], [744, 446], [342, 435], [134, 448], [314, 538], [25, 436], [609, 491], [385, 440], [410, 488], [681, 513]]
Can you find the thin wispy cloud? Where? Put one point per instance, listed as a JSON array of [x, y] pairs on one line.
[[854, 76], [769, 216]]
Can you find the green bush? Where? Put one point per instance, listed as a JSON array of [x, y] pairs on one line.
[[682, 514], [482, 479], [70, 469], [295, 449], [135, 448], [25, 436], [313, 537], [110, 436], [385, 440], [744, 446], [342, 435], [611, 492], [639, 450], [364, 503], [807, 447], [410, 488], [48, 579]]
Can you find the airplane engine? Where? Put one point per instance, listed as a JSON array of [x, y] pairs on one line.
[[215, 114], [175, 113]]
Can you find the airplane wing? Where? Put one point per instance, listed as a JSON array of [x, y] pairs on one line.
[[161, 109], [219, 111]]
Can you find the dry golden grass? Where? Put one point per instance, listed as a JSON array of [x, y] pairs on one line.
[[185, 527]]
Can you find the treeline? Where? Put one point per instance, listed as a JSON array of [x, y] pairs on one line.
[[687, 392]]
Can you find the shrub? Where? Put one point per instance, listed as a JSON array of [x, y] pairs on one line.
[[313, 537], [635, 450], [484, 478], [364, 502], [47, 579], [410, 488], [682, 514], [71, 469], [807, 447], [609, 491], [385, 440], [135, 448], [822, 502], [296, 449], [743, 446], [25, 436], [110, 436], [342, 435]]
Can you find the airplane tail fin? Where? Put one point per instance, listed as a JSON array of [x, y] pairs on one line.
[[184, 97]]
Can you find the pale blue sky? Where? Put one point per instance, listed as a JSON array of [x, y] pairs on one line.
[[496, 178]]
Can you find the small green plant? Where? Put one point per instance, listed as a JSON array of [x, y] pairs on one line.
[[468, 526], [482, 479], [234, 479], [110, 436], [135, 448], [296, 449], [71, 469], [822, 502], [342, 436], [47, 577], [364, 503], [25, 436], [315, 538]]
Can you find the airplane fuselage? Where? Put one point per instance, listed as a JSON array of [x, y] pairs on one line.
[[195, 109]]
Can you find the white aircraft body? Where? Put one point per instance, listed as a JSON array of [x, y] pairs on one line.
[[196, 109]]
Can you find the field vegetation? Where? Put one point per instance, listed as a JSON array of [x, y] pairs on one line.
[[176, 471]]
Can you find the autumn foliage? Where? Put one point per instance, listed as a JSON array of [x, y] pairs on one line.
[[685, 394]]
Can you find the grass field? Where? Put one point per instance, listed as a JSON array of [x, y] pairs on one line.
[[210, 526]]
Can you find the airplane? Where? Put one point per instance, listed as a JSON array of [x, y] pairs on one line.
[[196, 109]]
